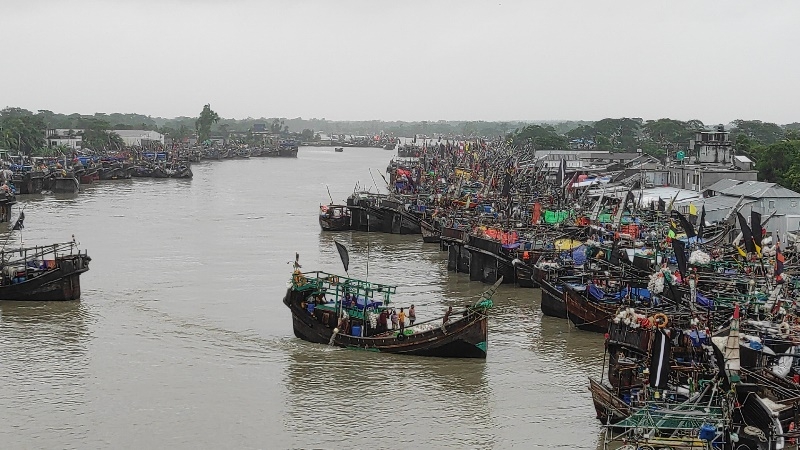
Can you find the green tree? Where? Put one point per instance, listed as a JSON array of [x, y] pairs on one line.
[[542, 138], [780, 163], [21, 130], [307, 135], [744, 145], [619, 134], [762, 132], [203, 123], [97, 135]]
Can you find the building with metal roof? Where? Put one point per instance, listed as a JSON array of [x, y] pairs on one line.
[[768, 199]]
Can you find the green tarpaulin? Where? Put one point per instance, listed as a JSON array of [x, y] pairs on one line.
[[555, 216]]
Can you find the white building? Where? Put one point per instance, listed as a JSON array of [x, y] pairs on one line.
[[62, 136], [139, 137]]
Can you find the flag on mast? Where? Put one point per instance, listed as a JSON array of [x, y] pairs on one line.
[[344, 255]]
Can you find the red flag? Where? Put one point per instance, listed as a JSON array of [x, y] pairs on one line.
[[779, 261], [537, 213]]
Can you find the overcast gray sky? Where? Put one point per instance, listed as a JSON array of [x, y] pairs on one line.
[[406, 60]]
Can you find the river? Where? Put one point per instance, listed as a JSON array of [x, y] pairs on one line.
[[180, 339]]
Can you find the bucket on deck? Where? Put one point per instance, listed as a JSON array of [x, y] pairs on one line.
[[355, 330]]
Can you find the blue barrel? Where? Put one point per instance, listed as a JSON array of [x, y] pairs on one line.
[[708, 432], [356, 330]]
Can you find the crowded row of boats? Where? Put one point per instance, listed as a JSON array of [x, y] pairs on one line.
[[32, 175], [698, 318]]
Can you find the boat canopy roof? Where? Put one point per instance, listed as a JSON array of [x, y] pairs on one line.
[[326, 283]]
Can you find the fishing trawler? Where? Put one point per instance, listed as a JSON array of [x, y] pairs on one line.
[[334, 217], [42, 273], [347, 312]]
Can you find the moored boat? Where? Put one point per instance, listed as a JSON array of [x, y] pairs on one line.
[[430, 234], [42, 273], [345, 312], [334, 218]]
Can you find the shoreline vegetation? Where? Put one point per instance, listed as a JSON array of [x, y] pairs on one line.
[[775, 148]]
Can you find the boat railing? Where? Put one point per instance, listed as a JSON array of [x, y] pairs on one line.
[[324, 282], [20, 255]]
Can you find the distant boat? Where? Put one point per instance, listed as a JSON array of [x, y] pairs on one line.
[[334, 217], [338, 149]]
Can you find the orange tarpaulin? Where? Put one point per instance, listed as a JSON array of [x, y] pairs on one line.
[[504, 237]]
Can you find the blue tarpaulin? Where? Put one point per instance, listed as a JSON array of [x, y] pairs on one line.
[[704, 301], [596, 292]]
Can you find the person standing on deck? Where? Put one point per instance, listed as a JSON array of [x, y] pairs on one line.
[[394, 319], [382, 321], [402, 319], [412, 315], [447, 315]]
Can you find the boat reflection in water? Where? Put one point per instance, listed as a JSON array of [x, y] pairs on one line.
[[360, 392]]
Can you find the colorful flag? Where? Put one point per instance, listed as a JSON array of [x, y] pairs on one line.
[[692, 209]]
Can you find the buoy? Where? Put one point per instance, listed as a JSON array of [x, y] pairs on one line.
[[661, 320]]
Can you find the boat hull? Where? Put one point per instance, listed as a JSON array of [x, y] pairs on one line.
[[334, 223], [65, 185], [552, 301], [466, 337], [585, 314], [609, 407], [59, 284]]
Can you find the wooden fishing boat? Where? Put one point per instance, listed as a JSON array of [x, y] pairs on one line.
[[107, 172], [158, 171], [585, 314], [89, 176], [42, 273], [30, 182], [430, 234], [396, 220], [338, 149], [408, 151], [334, 218], [320, 314], [609, 407], [64, 184], [180, 171], [552, 303]]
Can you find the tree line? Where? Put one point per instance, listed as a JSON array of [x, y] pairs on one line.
[[774, 147]]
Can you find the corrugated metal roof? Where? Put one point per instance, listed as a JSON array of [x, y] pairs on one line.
[[752, 189], [721, 185], [719, 202], [650, 195]]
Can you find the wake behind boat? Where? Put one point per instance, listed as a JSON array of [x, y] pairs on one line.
[[347, 312]]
